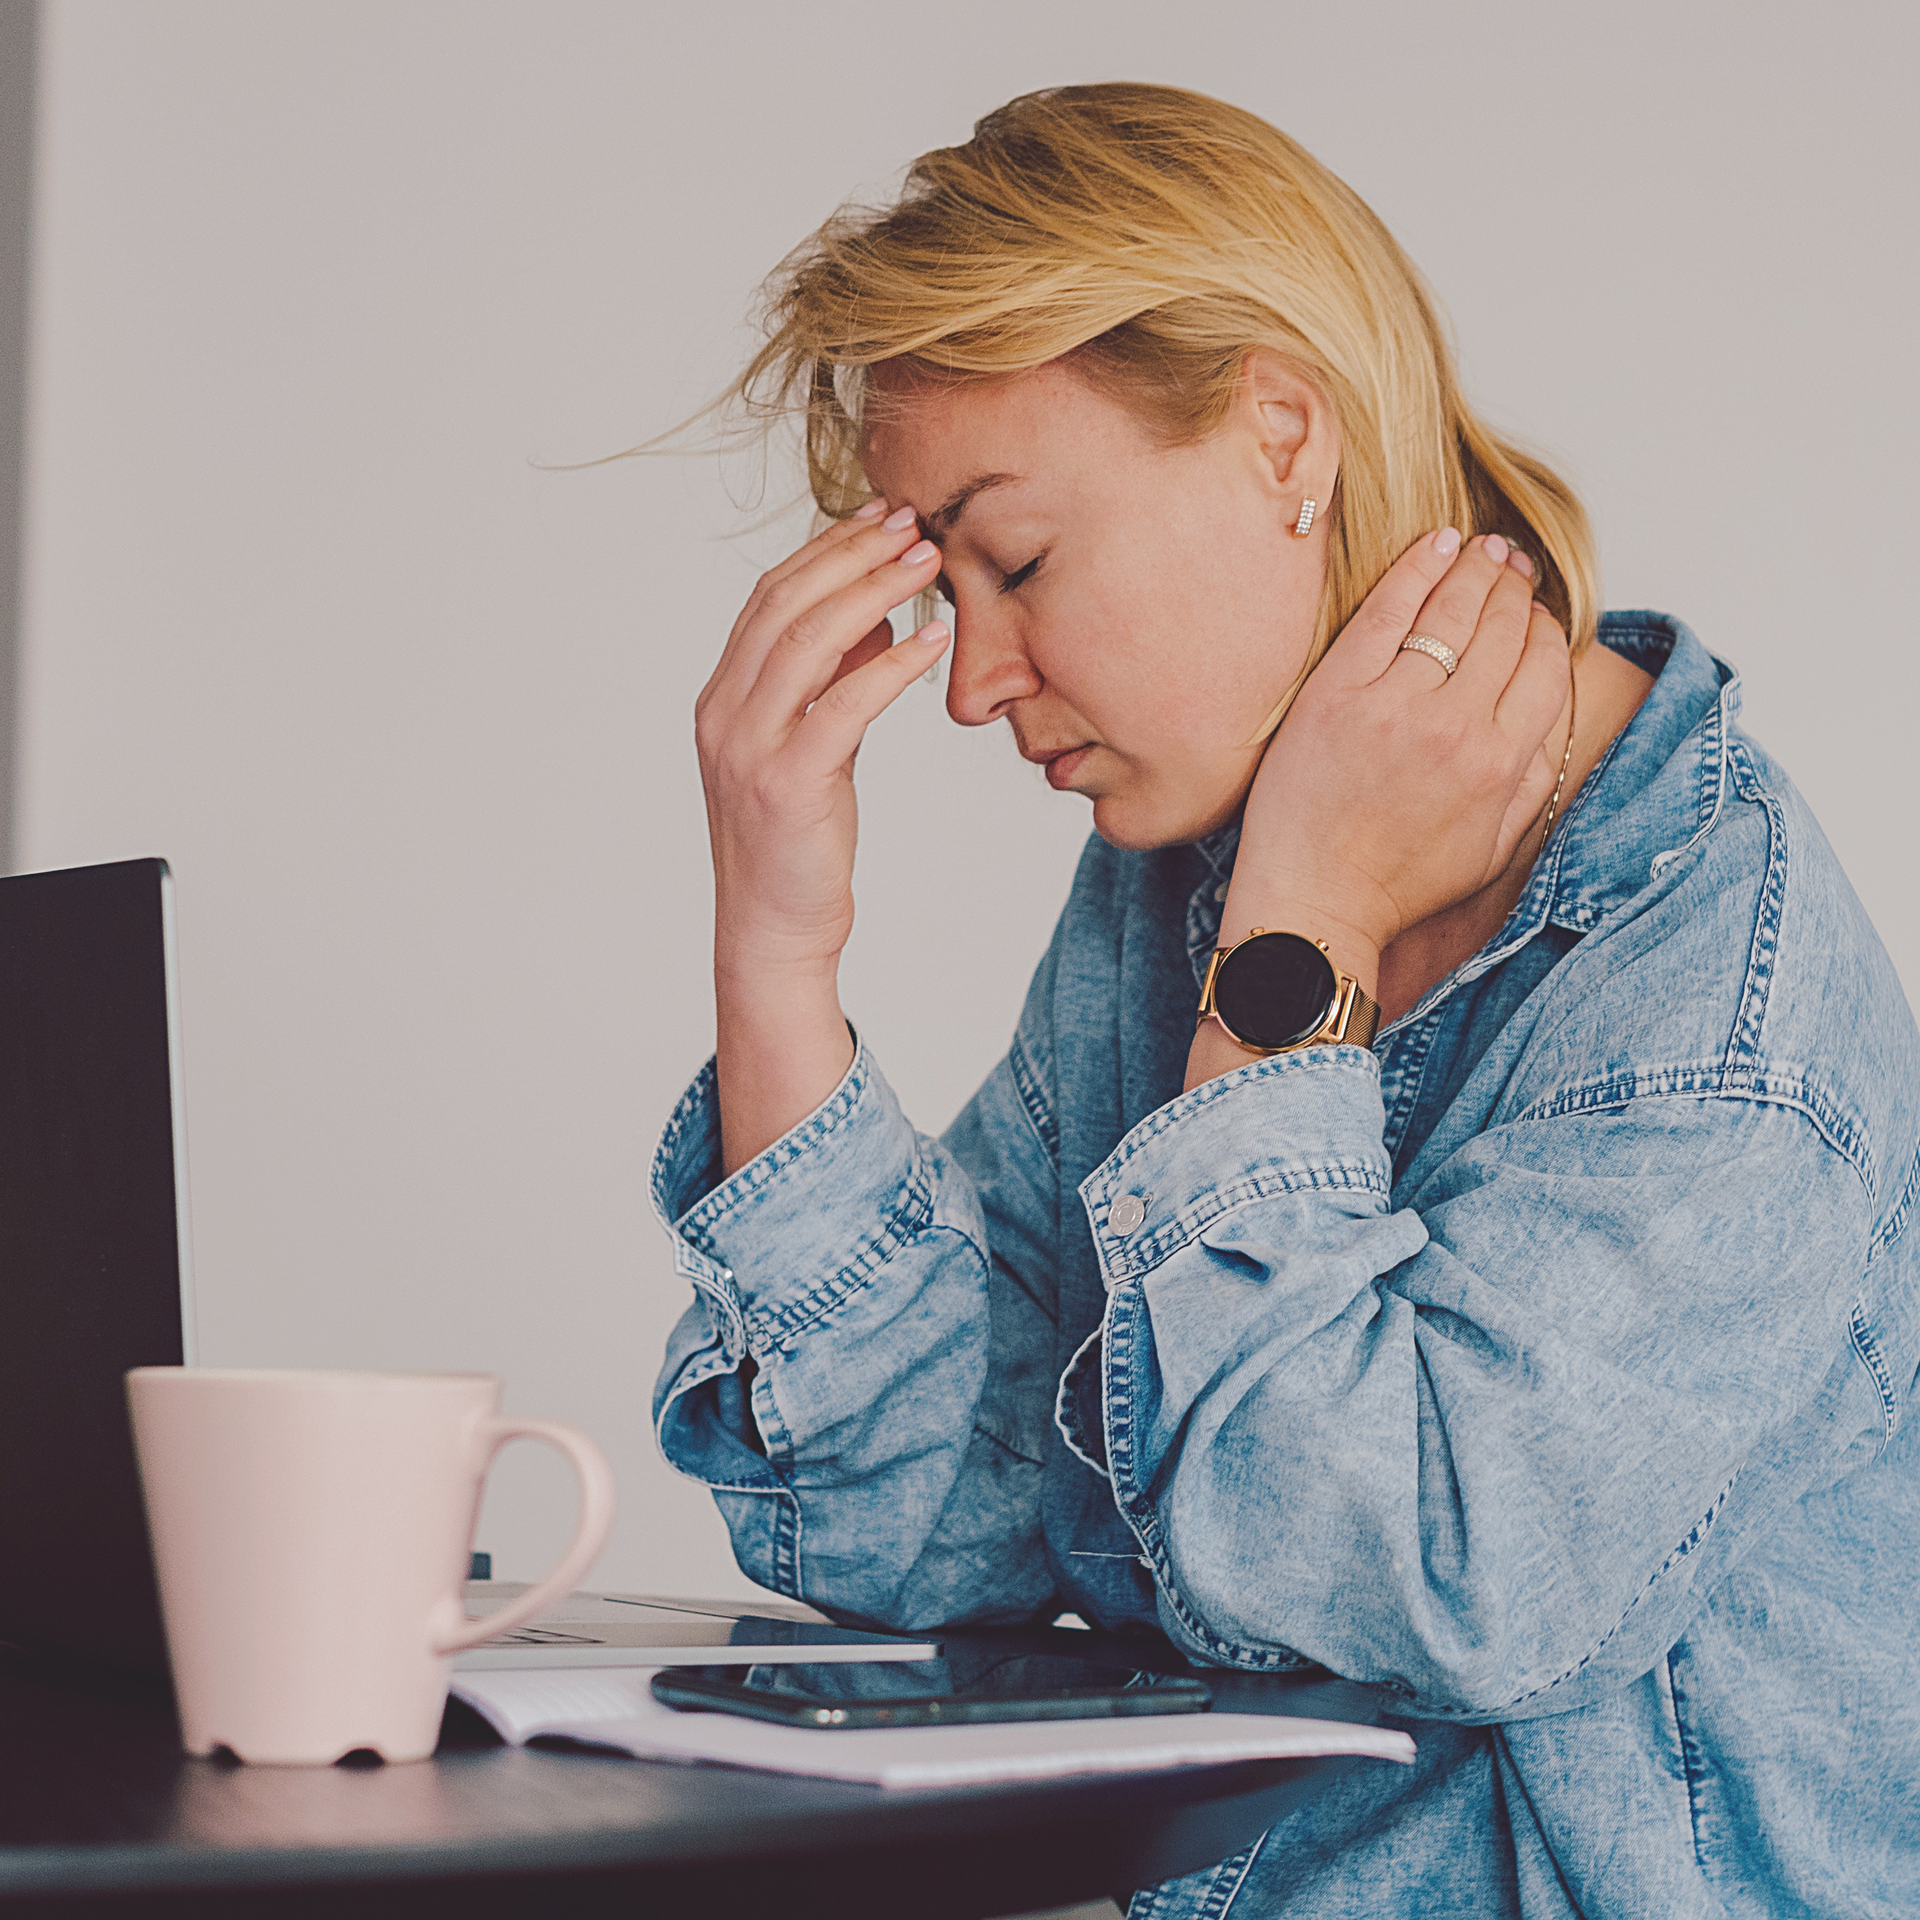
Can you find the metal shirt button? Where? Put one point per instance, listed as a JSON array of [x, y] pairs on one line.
[[1126, 1213]]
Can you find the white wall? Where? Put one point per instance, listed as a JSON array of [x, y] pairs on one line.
[[317, 281]]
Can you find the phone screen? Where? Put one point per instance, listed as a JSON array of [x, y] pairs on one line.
[[968, 1686]]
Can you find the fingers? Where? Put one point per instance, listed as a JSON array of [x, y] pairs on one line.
[[824, 542], [1530, 797], [830, 734], [797, 588], [1496, 630], [1536, 691], [835, 534], [1439, 588], [804, 659], [1453, 613], [1370, 641], [869, 647]]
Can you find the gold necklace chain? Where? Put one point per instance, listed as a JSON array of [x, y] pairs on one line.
[[1566, 759]]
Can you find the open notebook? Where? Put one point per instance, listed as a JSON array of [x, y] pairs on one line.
[[615, 1707], [646, 1630]]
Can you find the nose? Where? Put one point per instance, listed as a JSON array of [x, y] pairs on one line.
[[988, 672]]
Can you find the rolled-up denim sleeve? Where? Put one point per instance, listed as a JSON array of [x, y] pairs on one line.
[[836, 1379], [1487, 1448]]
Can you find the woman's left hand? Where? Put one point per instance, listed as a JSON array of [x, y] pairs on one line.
[[1393, 790]]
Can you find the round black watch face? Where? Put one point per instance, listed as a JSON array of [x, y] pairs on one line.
[[1275, 990]]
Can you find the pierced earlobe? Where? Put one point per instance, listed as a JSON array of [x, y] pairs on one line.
[[1304, 525]]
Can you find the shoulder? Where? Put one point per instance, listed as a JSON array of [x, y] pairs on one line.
[[1741, 964]]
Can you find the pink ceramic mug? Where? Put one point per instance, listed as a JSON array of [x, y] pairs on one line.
[[311, 1534]]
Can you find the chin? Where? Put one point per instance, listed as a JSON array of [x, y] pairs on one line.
[[1137, 823]]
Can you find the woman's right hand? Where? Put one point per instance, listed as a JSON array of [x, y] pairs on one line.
[[809, 666]]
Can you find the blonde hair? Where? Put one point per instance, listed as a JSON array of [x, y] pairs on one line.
[[1156, 236]]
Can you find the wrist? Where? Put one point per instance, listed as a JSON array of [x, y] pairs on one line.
[[1214, 1052], [759, 1006], [781, 1046], [756, 953], [1275, 989]]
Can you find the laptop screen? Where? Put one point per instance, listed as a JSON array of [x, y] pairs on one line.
[[93, 1247]]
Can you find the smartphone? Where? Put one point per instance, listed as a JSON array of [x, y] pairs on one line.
[[955, 1691]]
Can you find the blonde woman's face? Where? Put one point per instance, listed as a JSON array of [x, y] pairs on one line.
[[1134, 613]]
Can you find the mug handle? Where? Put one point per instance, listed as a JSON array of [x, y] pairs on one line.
[[589, 1535]]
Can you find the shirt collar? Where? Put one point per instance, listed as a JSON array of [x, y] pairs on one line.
[[1657, 789]]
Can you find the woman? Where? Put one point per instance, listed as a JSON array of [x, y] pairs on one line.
[[1444, 1213]]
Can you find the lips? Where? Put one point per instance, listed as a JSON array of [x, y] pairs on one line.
[[1062, 766]]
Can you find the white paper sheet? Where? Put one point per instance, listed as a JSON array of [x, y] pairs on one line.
[[614, 1707]]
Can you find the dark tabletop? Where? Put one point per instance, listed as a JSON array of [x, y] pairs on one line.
[[101, 1813]]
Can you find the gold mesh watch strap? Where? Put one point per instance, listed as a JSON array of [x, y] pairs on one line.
[[1356, 1014]]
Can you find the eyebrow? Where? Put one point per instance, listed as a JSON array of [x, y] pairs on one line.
[[943, 517]]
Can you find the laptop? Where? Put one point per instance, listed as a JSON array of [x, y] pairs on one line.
[[96, 1276]]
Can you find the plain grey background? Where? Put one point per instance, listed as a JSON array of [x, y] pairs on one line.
[[18, 24], [317, 285]]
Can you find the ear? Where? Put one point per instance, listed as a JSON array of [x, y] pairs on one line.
[[1288, 426]]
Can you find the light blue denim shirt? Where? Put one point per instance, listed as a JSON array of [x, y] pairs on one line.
[[1547, 1364]]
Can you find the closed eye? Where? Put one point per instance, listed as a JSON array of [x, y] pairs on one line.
[[1012, 582]]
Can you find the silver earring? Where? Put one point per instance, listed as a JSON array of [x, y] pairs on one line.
[[1304, 525]]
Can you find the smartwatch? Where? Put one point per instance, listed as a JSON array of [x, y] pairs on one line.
[[1275, 992]]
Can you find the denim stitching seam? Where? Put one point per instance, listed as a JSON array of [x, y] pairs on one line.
[[1711, 768], [1713, 753], [1868, 1348], [1896, 1221], [786, 1546], [1246, 1861], [1709, 1080], [779, 1339], [770, 1484], [773, 1427], [1230, 1654], [751, 1180], [667, 1150], [908, 1218], [1743, 1045], [1691, 1764], [1692, 1539], [1033, 1099], [1412, 1071], [726, 1308], [1141, 1257]]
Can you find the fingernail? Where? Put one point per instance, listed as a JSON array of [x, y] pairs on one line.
[[917, 556], [1447, 542], [933, 634], [1540, 606], [1497, 549], [1521, 562], [900, 518], [872, 510]]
